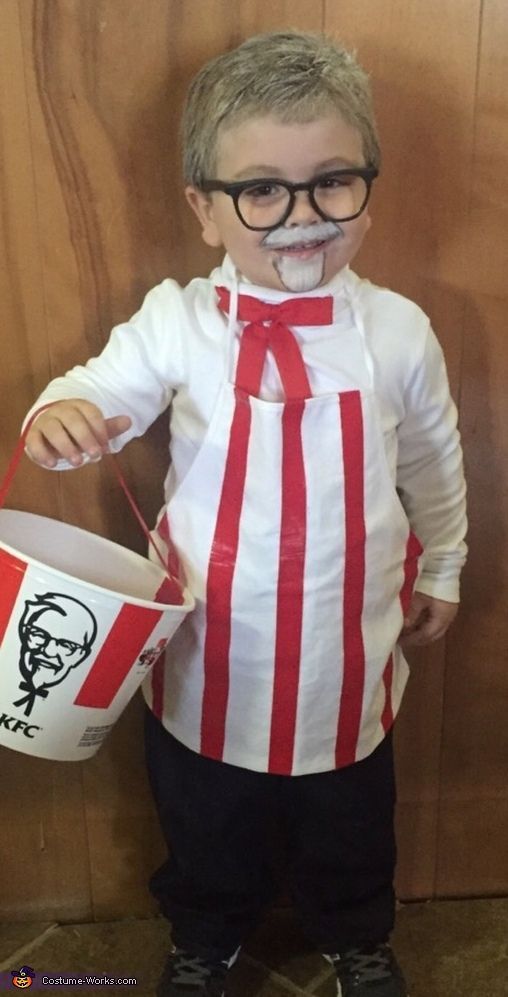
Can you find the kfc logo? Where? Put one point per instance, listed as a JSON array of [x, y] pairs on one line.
[[56, 633], [152, 654]]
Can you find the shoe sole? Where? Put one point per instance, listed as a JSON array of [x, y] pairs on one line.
[[339, 991]]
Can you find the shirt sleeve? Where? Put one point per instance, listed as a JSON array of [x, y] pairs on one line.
[[137, 372], [430, 478]]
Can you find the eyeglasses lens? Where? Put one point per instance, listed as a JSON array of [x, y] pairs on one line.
[[338, 197]]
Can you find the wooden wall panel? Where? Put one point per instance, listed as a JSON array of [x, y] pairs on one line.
[[90, 91], [473, 825], [92, 216], [26, 364], [103, 88], [48, 798], [422, 60]]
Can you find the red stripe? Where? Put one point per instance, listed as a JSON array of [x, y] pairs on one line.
[[13, 572], [169, 592], [387, 714], [354, 578], [251, 359], [117, 656], [290, 363], [289, 593], [413, 551], [220, 583]]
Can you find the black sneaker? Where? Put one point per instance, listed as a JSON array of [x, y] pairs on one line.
[[368, 972], [188, 975]]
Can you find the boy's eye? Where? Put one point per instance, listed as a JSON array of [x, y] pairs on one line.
[[334, 180], [260, 191]]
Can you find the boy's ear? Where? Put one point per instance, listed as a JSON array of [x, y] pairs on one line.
[[202, 207]]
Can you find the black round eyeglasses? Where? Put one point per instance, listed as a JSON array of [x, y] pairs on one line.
[[266, 203]]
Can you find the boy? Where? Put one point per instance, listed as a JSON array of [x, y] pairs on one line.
[[315, 476]]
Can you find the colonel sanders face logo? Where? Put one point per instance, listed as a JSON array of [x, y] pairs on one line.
[[56, 634]]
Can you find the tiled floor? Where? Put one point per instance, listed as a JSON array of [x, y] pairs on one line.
[[447, 949]]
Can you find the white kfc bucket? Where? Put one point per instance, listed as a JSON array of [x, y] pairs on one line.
[[82, 622]]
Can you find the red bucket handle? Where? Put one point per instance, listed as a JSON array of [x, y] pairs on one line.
[[175, 592]]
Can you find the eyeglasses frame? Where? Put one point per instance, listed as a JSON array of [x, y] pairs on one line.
[[234, 190]]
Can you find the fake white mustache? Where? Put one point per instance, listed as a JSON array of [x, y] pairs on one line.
[[283, 238]]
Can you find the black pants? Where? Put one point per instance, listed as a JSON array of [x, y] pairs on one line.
[[225, 826]]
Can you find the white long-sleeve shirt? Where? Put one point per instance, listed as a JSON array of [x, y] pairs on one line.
[[173, 353]]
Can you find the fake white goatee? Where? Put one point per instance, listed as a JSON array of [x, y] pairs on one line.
[[300, 275], [295, 274]]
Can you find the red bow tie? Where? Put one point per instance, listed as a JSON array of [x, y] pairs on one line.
[[268, 328]]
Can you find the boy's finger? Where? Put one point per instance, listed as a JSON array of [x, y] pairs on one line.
[[41, 452], [96, 425], [416, 611], [429, 631], [116, 425], [414, 620], [71, 432], [425, 634], [69, 438]]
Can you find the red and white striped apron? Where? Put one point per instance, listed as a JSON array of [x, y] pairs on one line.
[[300, 557]]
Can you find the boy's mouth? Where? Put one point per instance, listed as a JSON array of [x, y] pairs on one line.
[[303, 250], [298, 244]]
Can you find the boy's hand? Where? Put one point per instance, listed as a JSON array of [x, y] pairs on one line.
[[427, 620], [69, 429]]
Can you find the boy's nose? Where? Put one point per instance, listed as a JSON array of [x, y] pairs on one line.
[[303, 212]]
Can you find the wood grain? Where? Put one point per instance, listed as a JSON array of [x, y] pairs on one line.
[[423, 71], [92, 216], [26, 362], [103, 85], [42, 815], [473, 821]]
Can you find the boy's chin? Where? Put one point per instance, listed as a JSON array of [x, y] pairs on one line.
[[297, 275], [286, 273]]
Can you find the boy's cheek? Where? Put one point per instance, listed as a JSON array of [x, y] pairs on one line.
[[357, 235], [362, 226]]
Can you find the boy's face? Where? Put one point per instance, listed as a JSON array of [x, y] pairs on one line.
[[266, 147]]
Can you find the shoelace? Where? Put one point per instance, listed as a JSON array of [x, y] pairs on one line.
[[366, 965], [192, 970]]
